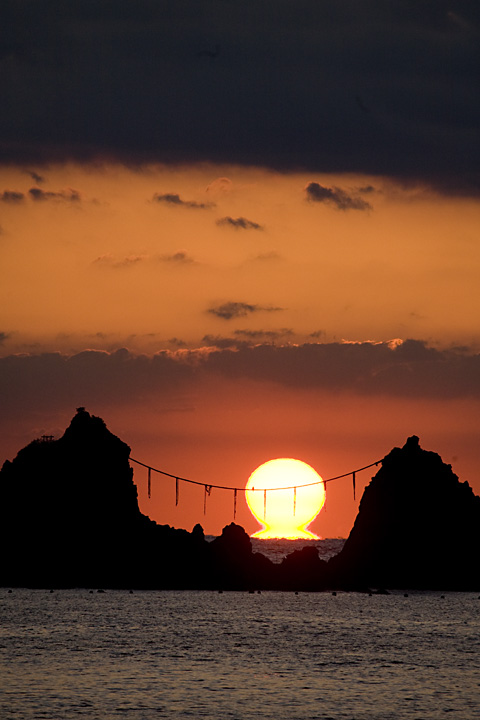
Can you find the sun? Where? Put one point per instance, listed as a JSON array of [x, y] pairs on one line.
[[285, 513]]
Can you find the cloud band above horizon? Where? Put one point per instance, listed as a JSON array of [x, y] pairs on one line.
[[376, 88], [407, 369]]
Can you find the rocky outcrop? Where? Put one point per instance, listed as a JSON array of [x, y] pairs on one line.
[[417, 527], [303, 570], [69, 517], [232, 564]]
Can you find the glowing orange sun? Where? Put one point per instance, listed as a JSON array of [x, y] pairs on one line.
[[285, 513]]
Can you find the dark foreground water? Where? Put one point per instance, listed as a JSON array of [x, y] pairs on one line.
[[270, 656]]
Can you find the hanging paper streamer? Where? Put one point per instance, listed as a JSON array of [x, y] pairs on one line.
[[325, 495], [208, 490]]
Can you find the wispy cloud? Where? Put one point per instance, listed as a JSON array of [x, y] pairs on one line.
[[12, 196], [177, 342], [223, 343], [231, 310], [69, 194], [219, 186], [268, 256], [239, 223], [335, 196], [265, 335], [318, 335], [181, 257], [247, 338], [176, 200], [109, 260], [39, 179]]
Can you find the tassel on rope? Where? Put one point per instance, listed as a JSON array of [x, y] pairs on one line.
[[149, 484], [208, 490], [235, 503], [353, 479], [325, 495], [264, 504], [176, 492], [294, 500]]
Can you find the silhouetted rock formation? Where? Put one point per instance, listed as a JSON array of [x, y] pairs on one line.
[[303, 570], [69, 516], [233, 564], [417, 527]]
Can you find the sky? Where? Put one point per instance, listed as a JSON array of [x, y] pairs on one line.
[[240, 231]]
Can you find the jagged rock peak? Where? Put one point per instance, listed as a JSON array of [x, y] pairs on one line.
[[412, 444], [417, 523], [233, 537], [89, 429]]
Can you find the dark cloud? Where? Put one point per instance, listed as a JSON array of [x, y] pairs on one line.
[[335, 196], [231, 310], [39, 179], [246, 338], [177, 342], [239, 223], [173, 199], [181, 257], [265, 335], [409, 370], [3, 337], [69, 194], [384, 88], [12, 196], [318, 335], [223, 343]]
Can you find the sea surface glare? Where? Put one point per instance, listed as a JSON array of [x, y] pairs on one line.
[[271, 656]]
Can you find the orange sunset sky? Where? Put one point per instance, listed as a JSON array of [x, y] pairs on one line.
[[232, 256]]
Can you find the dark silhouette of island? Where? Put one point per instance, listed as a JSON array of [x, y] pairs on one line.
[[69, 517]]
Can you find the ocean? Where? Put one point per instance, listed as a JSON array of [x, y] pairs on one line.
[[277, 549], [76, 654], [82, 653]]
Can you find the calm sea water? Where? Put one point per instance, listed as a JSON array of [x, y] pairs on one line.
[[273, 656], [276, 550]]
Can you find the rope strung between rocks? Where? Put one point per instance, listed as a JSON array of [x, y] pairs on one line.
[[178, 478], [207, 489]]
